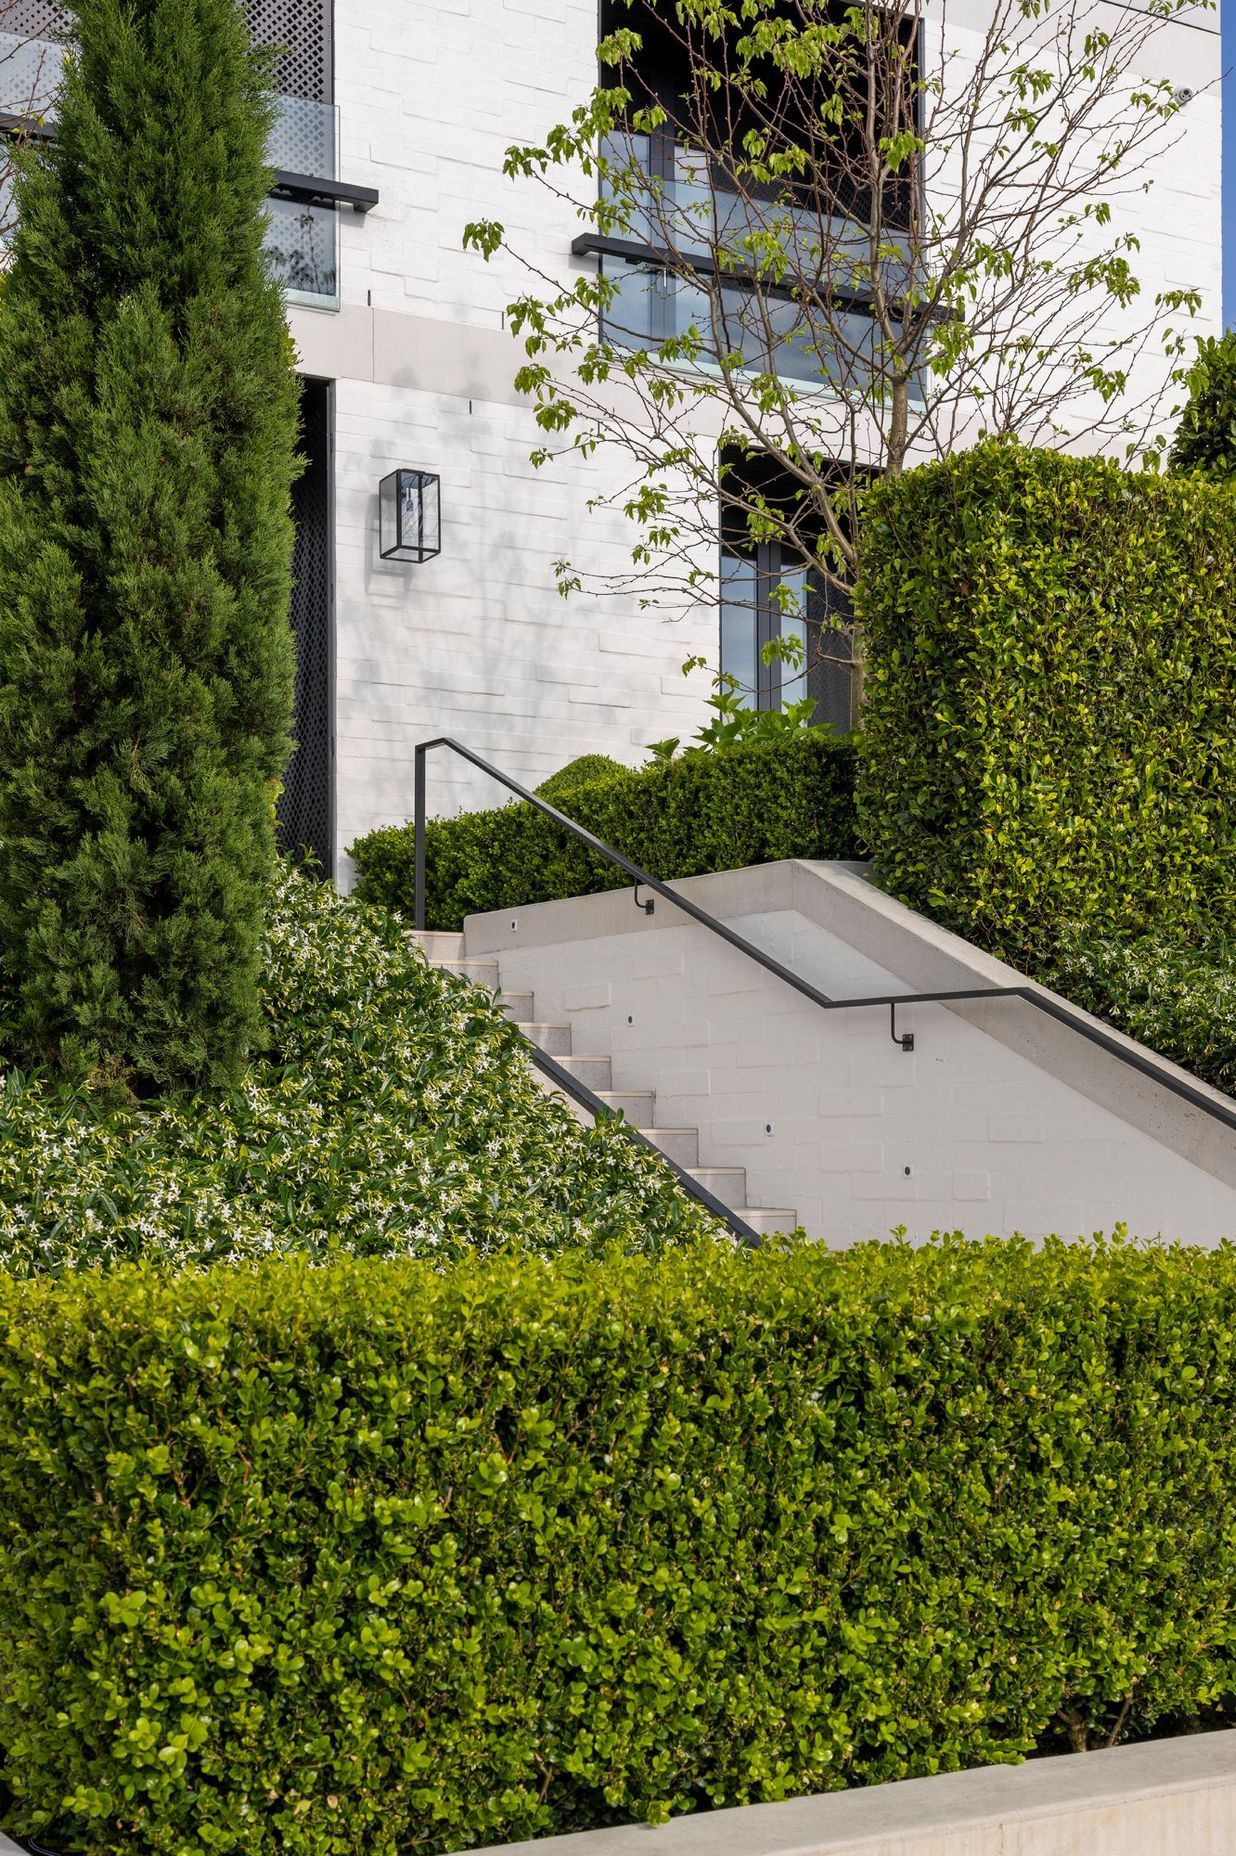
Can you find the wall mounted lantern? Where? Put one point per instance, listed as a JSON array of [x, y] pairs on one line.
[[410, 516]]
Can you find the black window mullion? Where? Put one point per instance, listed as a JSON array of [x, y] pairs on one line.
[[767, 622]]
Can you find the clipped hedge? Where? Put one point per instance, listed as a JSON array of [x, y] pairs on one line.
[[308, 1561], [1178, 999], [701, 812], [1049, 696]]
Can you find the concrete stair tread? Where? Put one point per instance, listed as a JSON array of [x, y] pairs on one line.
[[438, 943], [727, 1183], [638, 1106]]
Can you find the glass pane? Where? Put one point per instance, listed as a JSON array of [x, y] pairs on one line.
[[304, 138], [738, 598], [691, 215], [830, 676], [793, 624], [29, 73], [302, 248]]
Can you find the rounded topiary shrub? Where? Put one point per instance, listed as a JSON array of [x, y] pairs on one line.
[[585, 771]]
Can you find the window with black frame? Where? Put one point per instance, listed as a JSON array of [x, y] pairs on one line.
[[786, 628], [690, 210]]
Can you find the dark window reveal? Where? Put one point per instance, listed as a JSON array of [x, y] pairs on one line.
[[771, 588]]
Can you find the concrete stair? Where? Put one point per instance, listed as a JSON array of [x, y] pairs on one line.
[[682, 1145]]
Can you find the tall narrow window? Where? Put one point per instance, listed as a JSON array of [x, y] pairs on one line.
[[306, 805], [772, 590]]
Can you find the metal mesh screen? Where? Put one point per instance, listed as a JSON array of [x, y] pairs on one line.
[[305, 803], [35, 19], [302, 29]]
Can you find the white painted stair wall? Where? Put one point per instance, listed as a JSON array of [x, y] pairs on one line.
[[1000, 1120], [639, 1107]]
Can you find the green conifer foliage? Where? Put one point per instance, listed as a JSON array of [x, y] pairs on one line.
[[148, 413]]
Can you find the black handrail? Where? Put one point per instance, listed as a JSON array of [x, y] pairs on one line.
[[1052, 1008], [600, 1111]]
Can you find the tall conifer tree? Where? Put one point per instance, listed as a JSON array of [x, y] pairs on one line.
[[148, 412]]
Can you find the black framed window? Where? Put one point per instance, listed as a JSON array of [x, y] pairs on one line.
[[767, 593], [772, 587]]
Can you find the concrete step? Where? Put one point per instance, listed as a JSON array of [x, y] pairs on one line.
[[480, 972], [520, 1007], [768, 1222], [437, 943], [554, 1040], [596, 1073], [637, 1107], [727, 1183], [681, 1145]]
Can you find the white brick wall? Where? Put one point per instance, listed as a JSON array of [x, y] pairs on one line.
[[999, 1120], [478, 643]]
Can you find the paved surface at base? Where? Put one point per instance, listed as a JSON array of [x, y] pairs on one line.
[[1166, 1798]]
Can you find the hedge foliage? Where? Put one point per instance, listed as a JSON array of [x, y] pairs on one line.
[[1177, 998], [1206, 435], [701, 812], [392, 1112], [307, 1560], [1049, 695]]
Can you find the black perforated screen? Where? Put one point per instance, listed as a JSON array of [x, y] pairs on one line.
[[305, 804], [34, 19], [302, 29]]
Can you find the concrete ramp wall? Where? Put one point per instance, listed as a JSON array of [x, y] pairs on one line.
[[1000, 1120]]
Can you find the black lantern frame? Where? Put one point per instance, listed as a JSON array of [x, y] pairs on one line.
[[410, 516]]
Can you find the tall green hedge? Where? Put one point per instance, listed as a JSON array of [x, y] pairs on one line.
[[702, 812], [1050, 690], [301, 1561]]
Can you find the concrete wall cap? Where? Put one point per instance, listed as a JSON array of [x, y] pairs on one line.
[[915, 1811]]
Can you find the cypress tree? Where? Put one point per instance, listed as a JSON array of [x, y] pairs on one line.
[[148, 411]]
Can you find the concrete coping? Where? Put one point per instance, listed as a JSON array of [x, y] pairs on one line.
[[1124, 1800]]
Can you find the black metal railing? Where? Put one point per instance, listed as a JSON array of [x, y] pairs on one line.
[[601, 1111], [1056, 1009]]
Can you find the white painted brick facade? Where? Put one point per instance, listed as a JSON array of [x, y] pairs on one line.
[[477, 643], [998, 1121]]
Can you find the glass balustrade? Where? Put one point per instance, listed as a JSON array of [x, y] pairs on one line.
[[755, 326], [302, 239]]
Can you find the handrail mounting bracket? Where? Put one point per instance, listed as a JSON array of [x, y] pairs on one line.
[[906, 1039]]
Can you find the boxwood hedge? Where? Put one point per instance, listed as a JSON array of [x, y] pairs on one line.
[[702, 812], [371, 1556], [1049, 695]]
